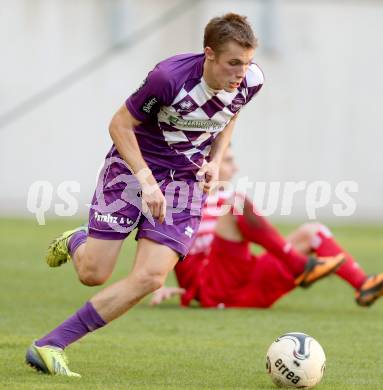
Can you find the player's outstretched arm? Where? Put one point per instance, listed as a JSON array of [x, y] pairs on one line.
[[165, 293], [121, 130]]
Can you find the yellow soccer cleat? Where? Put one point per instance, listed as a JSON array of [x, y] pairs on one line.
[[58, 251], [317, 268], [49, 360], [370, 291]]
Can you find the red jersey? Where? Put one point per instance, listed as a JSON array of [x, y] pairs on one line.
[[223, 273]]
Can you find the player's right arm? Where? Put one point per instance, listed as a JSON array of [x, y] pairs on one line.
[[121, 130], [141, 107]]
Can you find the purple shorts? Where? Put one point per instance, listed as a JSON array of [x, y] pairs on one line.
[[116, 207]]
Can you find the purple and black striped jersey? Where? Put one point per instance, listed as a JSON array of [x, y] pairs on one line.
[[181, 115]]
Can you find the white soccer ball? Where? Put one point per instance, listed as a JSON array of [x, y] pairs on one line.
[[295, 360]]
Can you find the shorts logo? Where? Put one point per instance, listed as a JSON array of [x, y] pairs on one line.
[[149, 105], [108, 218], [189, 231]]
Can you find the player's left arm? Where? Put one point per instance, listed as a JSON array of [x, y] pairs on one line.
[[209, 172]]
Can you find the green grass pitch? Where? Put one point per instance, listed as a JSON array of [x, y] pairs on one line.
[[173, 348]]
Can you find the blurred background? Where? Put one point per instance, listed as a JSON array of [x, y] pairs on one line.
[[66, 67]]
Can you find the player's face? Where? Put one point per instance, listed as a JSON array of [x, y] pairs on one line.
[[228, 166], [228, 67]]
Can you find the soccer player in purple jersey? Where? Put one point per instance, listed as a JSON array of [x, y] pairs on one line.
[[171, 133]]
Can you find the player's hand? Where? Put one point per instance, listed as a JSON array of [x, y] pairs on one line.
[[165, 293], [208, 175], [154, 201]]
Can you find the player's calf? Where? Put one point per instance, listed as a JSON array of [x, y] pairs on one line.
[[148, 280]]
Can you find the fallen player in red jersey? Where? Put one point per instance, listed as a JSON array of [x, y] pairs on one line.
[[221, 271]]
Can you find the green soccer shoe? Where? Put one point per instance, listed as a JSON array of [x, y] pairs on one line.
[[58, 251], [49, 360]]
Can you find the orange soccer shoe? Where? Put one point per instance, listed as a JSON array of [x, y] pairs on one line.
[[370, 291], [317, 268]]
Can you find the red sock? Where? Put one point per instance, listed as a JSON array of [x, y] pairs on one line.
[[325, 245], [255, 228]]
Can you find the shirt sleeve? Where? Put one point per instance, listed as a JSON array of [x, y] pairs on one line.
[[254, 80], [154, 92]]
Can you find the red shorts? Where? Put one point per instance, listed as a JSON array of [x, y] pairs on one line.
[[233, 277]]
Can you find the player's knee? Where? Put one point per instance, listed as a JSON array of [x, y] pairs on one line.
[[308, 230], [91, 280], [90, 277], [150, 280], [91, 273]]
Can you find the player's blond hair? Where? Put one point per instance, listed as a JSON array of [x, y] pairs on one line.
[[229, 27]]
